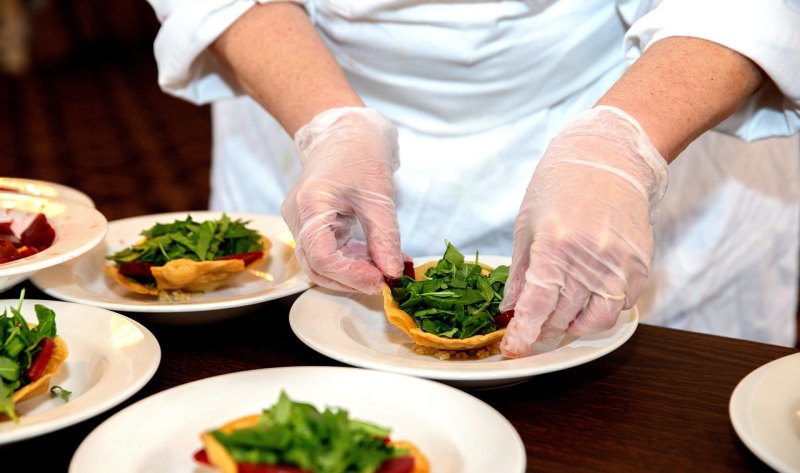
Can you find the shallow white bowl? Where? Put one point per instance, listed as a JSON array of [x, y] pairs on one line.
[[78, 227]]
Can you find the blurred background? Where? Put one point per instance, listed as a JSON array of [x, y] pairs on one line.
[[80, 105]]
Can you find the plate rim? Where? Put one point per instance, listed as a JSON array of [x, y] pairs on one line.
[[64, 192], [166, 396], [453, 370], [300, 282], [124, 389], [740, 398]]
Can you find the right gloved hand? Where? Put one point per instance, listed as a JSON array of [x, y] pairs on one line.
[[349, 156], [583, 238]]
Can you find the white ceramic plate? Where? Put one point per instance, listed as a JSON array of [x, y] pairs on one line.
[[79, 228], [84, 280], [50, 190], [765, 412], [353, 329], [161, 433], [110, 358]]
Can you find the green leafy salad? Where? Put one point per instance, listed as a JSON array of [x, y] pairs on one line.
[[198, 241], [296, 433], [20, 347], [456, 300]]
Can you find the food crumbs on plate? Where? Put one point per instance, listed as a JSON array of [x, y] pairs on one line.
[[176, 296], [473, 354]]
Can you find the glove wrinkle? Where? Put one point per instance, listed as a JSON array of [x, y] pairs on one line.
[[583, 236], [349, 156]]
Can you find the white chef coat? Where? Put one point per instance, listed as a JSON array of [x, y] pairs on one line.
[[477, 89]]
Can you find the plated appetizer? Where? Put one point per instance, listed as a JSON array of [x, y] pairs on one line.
[[295, 437], [450, 307], [38, 235], [30, 355], [176, 259]]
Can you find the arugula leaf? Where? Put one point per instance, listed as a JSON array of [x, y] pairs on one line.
[[6, 404], [9, 369], [46, 328], [5, 325], [456, 300], [198, 241], [19, 344], [21, 323], [15, 343], [296, 433], [60, 391], [205, 234]]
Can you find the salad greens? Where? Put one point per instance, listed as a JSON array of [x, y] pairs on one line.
[[198, 241], [296, 433], [58, 391], [19, 346], [456, 301]]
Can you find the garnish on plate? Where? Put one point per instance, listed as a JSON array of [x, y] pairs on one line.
[[295, 437], [186, 256], [30, 355], [450, 307]]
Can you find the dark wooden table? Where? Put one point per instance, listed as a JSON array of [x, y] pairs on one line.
[[658, 403]]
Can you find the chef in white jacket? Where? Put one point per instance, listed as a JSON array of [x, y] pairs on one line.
[[540, 129]]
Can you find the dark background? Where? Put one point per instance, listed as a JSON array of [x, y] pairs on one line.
[[88, 111]]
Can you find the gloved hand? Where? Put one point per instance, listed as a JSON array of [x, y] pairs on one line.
[[348, 156], [583, 238]]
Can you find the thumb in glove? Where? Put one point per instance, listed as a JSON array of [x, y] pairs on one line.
[[349, 156], [583, 237]]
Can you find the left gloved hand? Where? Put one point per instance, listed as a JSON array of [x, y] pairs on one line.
[[349, 155], [583, 237]]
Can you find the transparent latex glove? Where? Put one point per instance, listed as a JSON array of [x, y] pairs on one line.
[[583, 237], [349, 156]]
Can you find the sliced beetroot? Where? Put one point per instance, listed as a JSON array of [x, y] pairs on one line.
[[247, 257], [138, 271], [39, 234]]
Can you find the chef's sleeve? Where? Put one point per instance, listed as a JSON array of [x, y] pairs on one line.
[[186, 68], [765, 31]]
